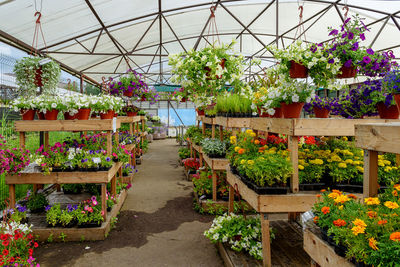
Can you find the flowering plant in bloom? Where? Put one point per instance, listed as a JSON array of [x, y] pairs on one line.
[[12, 160], [131, 82], [105, 103], [295, 91], [391, 81], [368, 229], [242, 234], [202, 184], [191, 163], [17, 244]]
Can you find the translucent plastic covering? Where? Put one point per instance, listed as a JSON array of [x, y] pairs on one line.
[[132, 36]]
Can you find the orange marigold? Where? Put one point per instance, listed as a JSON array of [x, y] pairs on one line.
[[241, 151], [372, 243], [382, 222], [371, 214], [325, 210], [323, 190], [397, 187], [315, 220], [333, 195], [391, 205], [336, 191], [318, 195], [352, 196], [256, 142], [360, 223], [395, 236], [358, 230], [339, 222], [394, 193]]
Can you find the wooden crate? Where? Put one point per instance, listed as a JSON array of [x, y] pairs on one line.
[[66, 125], [233, 122], [321, 252], [79, 234], [65, 177]]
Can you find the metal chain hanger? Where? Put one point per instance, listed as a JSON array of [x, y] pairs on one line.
[[38, 29], [212, 27], [300, 31]]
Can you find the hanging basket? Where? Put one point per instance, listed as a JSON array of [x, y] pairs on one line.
[[28, 114], [38, 77], [131, 113], [347, 72], [391, 112], [297, 70], [208, 70], [321, 112], [292, 111], [128, 93]]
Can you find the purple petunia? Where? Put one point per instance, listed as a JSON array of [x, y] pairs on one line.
[[350, 36], [48, 207], [370, 51], [330, 61], [362, 36], [334, 32], [348, 63], [366, 59], [355, 46]]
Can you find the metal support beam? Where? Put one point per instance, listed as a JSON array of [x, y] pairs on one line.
[[160, 32], [380, 31]]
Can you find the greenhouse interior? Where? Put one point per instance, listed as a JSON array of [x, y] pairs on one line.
[[200, 133]]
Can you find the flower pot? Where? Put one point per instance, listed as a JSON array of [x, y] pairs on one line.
[[200, 112], [183, 99], [321, 112], [143, 98], [69, 117], [131, 113], [128, 94], [397, 99], [347, 72], [391, 112], [107, 116], [83, 113], [28, 114], [40, 115], [292, 110], [297, 70], [38, 77], [261, 112], [278, 113], [51, 115], [115, 115]]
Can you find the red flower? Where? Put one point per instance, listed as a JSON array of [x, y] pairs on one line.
[[12, 259], [6, 243], [35, 245], [3, 236], [30, 251], [5, 252]]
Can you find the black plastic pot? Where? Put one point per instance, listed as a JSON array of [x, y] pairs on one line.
[[340, 250], [351, 188], [89, 225], [312, 187], [265, 190], [216, 156]]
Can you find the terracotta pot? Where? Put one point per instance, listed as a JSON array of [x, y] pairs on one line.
[[69, 117], [128, 94], [292, 110], [397, 99], [51, 115], [38, 77], [107, 116], [262, 113], [40, 115], [28, 114], [83, 113], [278, 113], [115, 115], [391, 112], [131, 113], [200, 112], [321, 112], [347, 72], [143, 98], [297, 70], [183, 99]]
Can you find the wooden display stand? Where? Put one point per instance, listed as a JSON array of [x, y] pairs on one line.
[[68, 177], [133, 129]]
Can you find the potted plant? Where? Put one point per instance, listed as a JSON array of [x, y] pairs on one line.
[[214, 148], [33, 72], [26, 107], [19, 214], [106, 105], [13, 160], [384, 101], [37, 202], [68, 216], [53, 214], [131, 111], [391, 81], [321, 106], [51, 106], [293, 95], [376, 63]]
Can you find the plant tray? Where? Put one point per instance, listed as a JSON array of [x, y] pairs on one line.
[[312, 187], [265, 190]]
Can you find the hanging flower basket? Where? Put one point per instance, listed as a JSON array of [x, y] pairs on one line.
[[38, 77], [28, 114], [391, 112], [131, 113], [128, 93], [297, 70], [107, 116], [347, 72], [321, 112], [292, 111], [51, 115], [83, 113], [200, 112], [208, 70]]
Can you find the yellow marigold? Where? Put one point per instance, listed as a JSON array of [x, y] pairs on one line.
[[341, 199], [243, 161], [233, 139], [388, 169], [342, 165], [359, 222], [336, 158], [372, 201], [318, 161], [253, 134], [394, 193], [358, 230], [333, 195], [340, 207], [372, 243], [344, 138], [391, 205], [397, 187], [380, 163], [249, 131], [301, 167], [360, 169], [237, 148], [250, 162], [386, 162], [349, 161]]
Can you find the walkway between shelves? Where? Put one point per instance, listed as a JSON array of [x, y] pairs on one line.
[[157, 225]]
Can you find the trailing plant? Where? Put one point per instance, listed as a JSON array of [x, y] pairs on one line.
[[214, 148]]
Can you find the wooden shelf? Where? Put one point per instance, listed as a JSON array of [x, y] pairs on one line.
[[312, 127], [64, 177], [233, 122], [207, 120], [216, 164], [383, 137], [299, 202], [126, 119], [65, 125]]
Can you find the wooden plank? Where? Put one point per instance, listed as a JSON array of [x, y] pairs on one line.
[[213, 131], [103, 200], [126, 119], [207, 120], [370, 185], [109, 143], [266, 240], [22, 139], [11, 189], [224, 255], [221, 133], [214, 185], [293, 145], [274, 125], [247, 194], [64, 177], [65, 125], [321, 252], [299, 202], [46, 140], [216, 164], [383, 137], [233, 122]]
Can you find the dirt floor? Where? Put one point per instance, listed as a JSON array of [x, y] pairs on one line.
[[157, 225]]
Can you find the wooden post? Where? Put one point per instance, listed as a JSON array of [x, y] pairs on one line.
[[191, 150], [201, 159], [21, 139], [11, 188], [370, 173], [266, 243], [134, 158], [46, 141], [213, 131], [131, 128], [293, 144], [109, 143], [116, 137], [398, 159], [103, 200], [203, 128], [231, 199], [221, 133], [214, 185], [114, 184]]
